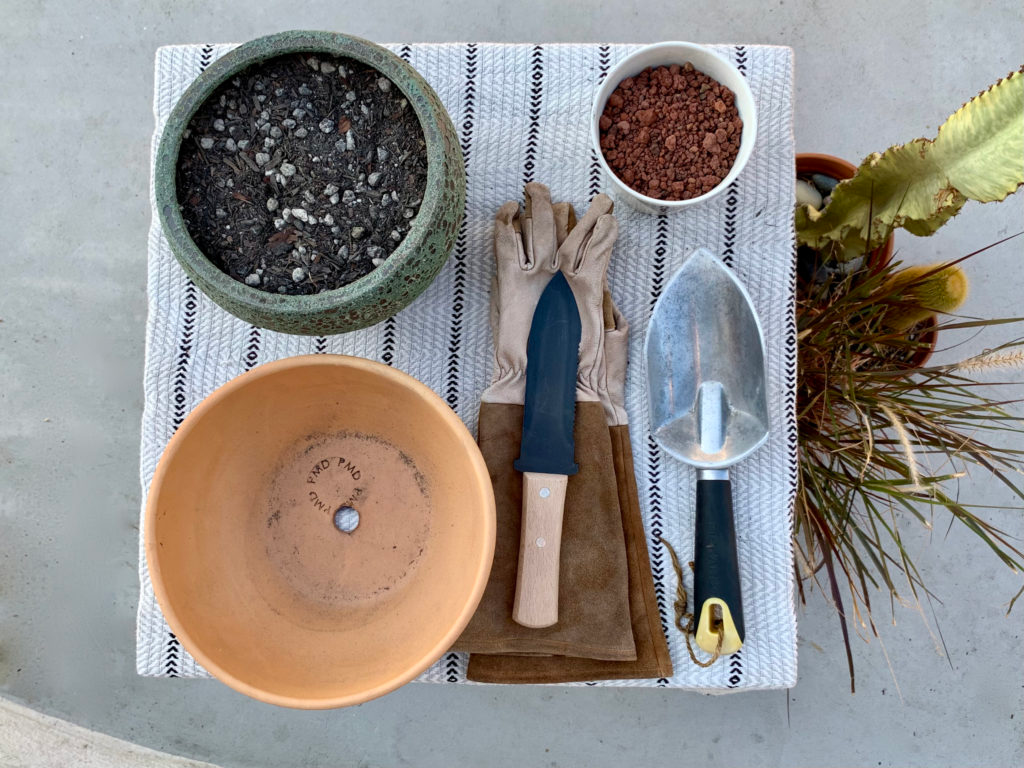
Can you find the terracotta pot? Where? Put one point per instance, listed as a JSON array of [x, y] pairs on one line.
[[246, 540], [403, 276], [830, 165]]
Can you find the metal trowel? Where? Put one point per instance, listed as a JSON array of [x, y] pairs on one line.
[[709, 408]]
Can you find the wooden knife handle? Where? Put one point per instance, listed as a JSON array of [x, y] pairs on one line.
[[536, 603]]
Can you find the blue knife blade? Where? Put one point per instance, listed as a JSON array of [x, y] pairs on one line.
[[552, 360]]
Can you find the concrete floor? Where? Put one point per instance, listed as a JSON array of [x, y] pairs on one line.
[[74, 140]]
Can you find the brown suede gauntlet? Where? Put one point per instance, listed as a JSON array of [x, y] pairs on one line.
[[593, 599]]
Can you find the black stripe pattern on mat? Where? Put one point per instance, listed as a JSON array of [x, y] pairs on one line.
[[533, 112], [452, 377], [603, 65], [252, 348], [732, 203], [172, 652], [654, 494], [451, 388]]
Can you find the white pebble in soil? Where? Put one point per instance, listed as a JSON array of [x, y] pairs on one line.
[[327, 219], [252, 279], [206, 143], [326, 67], [298, 274], [334, 199], [350, 96], [326, 125], [276, 132], [382, 154], [330, 189], [350, 141], [218, 124], [301, 133], [243, 144], [396, 235], [374, 178], [806, 194], [230, 145], [262, 158], [384, 84], [271, 204], [287, 169], [357, 232], [300, 214]]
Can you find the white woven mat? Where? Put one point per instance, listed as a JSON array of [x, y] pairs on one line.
[[521, 112]]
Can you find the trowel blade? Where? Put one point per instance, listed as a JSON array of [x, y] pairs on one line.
[[706, 366]]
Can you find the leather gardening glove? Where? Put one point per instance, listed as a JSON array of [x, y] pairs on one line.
[[652, 655], [594, 620], [526, 256], [583, 258]]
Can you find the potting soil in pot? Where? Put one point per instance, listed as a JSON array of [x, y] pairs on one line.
[[302, 174]]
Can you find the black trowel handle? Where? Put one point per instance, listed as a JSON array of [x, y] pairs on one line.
[[717, 602]]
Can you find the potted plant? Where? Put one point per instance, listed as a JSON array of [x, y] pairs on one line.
[[869, 415], [310, 182]]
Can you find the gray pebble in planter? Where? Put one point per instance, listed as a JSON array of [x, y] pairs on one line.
[[402, 276]]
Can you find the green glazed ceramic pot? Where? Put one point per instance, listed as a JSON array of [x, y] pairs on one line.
[[404, 274]]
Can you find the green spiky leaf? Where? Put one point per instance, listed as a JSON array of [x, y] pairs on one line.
[[977, 155]]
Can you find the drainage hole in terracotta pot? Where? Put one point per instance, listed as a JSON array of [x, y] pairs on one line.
[[346, 519]]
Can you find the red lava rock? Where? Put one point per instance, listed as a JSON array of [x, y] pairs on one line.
[[671, 132], [646, 116]]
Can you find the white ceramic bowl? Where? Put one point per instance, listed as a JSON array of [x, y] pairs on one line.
[[666, 54]]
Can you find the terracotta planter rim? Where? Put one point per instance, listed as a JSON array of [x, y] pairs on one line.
[[838, 168]]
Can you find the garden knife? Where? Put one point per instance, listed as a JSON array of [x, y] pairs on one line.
[[546, 451], [709, 408]]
